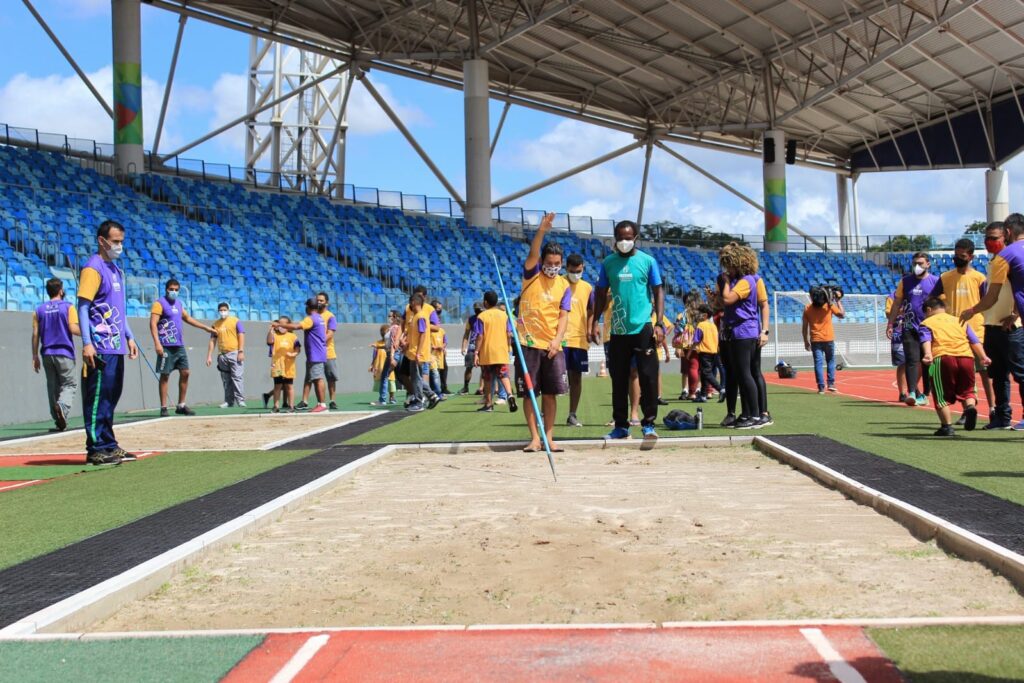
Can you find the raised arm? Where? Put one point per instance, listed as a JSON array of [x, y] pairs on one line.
[[538, 241]]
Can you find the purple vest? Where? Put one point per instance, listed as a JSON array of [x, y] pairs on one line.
[[743, 319], [54, 329], [107, 311]]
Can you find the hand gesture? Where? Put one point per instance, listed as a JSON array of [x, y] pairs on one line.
[[986, 361], [966, 315], [554, 348], [546, 222], [133, 350], [888, 331], [89, 356], [927, 359], [159, 349], [659, 334], [595, 334]]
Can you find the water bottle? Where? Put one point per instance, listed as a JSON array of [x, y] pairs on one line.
[[700, 418]]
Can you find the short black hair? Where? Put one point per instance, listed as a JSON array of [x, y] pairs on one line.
[[223, 304], [965, 243], [420, 289], [435, 303], [551, 248], [626, 224], [1015, 224], [284, 319], [106, 226], [324, 295], [574, 261], [705, 309], [53, 286], [923, 254], [416, 298], [934, 302], [171, 283], [311, 304], [490, 298], [996, 225]]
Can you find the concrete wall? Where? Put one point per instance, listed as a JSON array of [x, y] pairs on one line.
[[25, 392]]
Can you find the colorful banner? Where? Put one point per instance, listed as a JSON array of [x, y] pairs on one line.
[[775, 225], [127, 104]]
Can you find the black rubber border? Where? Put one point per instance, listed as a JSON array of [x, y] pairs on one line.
[[995, 519], [42, 581], [343, 433]]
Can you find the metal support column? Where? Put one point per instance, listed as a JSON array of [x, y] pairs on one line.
[[127, 47], [774, 173], [643, 184], [478, 143], [997, 194], [856, 210]]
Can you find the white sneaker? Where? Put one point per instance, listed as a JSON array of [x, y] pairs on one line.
[[500, 401], [225, 405], [241, 404]]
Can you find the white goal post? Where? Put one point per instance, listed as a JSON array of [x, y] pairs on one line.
[[860, 336]]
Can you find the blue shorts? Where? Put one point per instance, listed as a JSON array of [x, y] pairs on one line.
[[897, 355], [577, 360]]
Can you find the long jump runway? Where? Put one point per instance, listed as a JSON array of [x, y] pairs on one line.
[[612, 653]]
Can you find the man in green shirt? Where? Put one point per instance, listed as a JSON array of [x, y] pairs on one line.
[[632, 279]]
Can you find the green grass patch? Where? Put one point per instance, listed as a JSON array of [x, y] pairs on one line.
[[43, 518], [30, 472], [987, 461], [955, 654], [138, 660]]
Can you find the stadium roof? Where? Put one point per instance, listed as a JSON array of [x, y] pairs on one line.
[[861, 84]]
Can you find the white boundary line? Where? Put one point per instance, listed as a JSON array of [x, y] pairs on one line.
[[20, 485], [839, 667], [294, 666], [894, 622], [79, 430], [922, 524]]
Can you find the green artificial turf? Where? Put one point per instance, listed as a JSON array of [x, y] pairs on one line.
[[28, 429], [988, 461], [39, 519], [30, 472], [955, 654], [138, 660]]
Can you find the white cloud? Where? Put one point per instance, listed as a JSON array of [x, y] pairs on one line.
[[596, 208]]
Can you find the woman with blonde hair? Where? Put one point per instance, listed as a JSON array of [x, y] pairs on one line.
[[744, 333]]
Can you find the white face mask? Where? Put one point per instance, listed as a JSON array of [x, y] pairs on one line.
[[920, 270], [114, 251], [551, 271], [574, 277], [625, 246], [172, 296], [224, 314]]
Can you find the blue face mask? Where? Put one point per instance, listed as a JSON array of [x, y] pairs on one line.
[[172, 296]]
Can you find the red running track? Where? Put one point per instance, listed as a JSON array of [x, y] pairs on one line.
[[707, 654], [878, 385]]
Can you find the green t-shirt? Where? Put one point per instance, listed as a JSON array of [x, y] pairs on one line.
[[630, 279]]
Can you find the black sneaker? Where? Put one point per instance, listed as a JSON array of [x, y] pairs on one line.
[[746, 423], [970, 418], [662, 402], [903, 398], [124, 455], [275, 409], [573, 421], [332, 405], [433, 401], [701, 398], [766, 420], [184, 410], [963, 419], [996, 424], [164, 412], [512, 405], [729, 421], [61, 420], [301, 405], [721, 397], [103, 458], [266, 399], [945, 430], [682, 396], [485, 409]]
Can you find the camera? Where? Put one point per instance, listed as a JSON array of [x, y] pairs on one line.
[[825, 294]]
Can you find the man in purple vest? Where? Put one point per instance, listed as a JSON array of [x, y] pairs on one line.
[[106, 341], [53, 325], [165, 324]]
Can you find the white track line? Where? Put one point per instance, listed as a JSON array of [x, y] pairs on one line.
[[300, 659], [839, 667], [80, 430], [19, 485]]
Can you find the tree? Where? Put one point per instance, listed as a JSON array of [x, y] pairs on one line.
[[687, 235], [904, 243], [975, 228]]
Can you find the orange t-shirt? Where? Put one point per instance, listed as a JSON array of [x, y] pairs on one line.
[[819, 318]]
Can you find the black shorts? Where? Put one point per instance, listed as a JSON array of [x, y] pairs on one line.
[[546, 374], [283, 381], [404, 368]]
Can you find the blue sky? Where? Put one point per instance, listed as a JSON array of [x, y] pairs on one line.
[[38, 89]]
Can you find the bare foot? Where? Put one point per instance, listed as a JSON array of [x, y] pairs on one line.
[[532, 447]]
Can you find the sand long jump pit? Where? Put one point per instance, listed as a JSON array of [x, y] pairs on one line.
[[426, 537], [198, 433]]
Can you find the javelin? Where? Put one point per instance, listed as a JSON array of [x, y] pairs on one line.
[[527, 380], [148, 363]]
